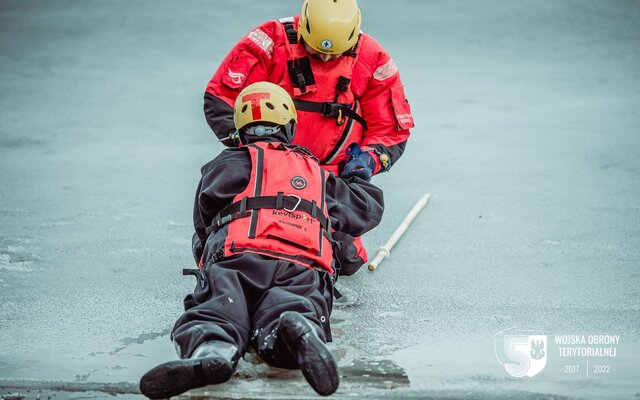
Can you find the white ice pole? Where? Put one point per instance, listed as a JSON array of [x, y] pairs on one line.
[[384, 251]]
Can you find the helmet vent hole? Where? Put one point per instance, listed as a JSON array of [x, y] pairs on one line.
[[285, 106], [270, 106], [352, 33], [244, 108], [308, 28]]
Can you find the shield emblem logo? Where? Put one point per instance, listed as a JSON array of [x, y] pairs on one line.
[[522, 353], [538, 353]]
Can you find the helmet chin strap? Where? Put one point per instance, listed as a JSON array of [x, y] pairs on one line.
[[290, 131], [261, 130]]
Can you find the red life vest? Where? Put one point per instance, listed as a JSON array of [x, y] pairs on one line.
[[322, 91], [282, 213]]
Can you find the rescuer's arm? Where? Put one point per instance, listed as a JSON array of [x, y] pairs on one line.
[[249, 61], [354, 205], [384, 107]]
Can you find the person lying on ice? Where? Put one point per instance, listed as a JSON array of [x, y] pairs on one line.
[[264, 212]]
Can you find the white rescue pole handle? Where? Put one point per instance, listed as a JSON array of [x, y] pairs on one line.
[[385, 251]]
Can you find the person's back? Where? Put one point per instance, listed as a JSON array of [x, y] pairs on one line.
[[282, 211]]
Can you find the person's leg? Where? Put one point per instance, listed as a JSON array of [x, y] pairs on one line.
[[295, 288], [291, 325], [214, 330], [312, 356], [210, 363], [216, 311]]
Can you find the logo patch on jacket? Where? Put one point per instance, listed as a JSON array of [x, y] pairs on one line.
[[386, 71], [298, 182], [263, 41], [236, 77]]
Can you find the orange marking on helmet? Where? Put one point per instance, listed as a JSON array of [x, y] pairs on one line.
[[255, 98]]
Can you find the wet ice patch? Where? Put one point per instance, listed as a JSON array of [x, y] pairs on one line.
[[19, 142], [13, 396], [176, 225], [15, 255], [181, 242], [141, 339], [379, 373], [391, 314], [122, 217]]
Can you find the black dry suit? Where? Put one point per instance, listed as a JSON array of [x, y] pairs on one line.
[[239, 298]]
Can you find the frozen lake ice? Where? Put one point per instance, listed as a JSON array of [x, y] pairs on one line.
[[527, 119]]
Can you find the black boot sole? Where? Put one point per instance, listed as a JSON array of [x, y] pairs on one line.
[[312, 355], [176, 377]]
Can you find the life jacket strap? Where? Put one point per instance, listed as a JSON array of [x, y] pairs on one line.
[[289, 203], [292, 35], [329, 109]]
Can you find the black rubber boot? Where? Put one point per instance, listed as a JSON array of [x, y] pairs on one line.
[[210, 363], [312, 355]]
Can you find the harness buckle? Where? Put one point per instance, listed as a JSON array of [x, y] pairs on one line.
[[224, 220], [294, 207], [330, 109]]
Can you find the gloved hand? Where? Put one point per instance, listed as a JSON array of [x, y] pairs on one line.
[[360, 163]]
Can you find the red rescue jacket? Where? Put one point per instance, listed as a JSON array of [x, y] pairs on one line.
[[357, 98], [281, 213]]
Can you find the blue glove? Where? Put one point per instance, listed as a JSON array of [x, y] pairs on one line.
[[360, 163]]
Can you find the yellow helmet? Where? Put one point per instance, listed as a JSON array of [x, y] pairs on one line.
[[268, 103], [330, 26]]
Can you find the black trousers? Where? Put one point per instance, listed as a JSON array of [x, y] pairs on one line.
[[239, 300]]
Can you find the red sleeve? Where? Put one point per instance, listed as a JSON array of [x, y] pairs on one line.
[[384, 106], [249, 61]]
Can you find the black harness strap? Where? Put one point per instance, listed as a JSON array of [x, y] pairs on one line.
[[300, 73], [292, 35], [329, 109], [286, 203], [343, 83], [217, 222], [256, 192]]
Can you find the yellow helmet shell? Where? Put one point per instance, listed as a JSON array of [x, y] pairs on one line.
[[263, 102], [330, 26]]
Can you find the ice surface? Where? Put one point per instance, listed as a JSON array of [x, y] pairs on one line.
[[527, 120]]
